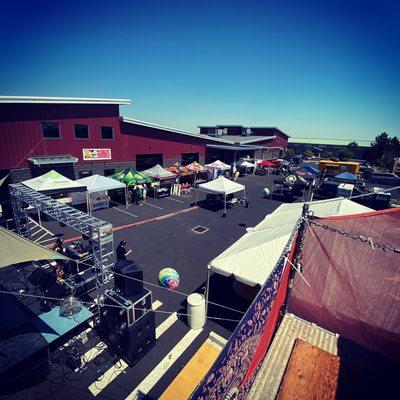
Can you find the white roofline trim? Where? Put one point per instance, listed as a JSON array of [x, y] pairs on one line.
[[166, 128], [259, 139], [61, 100]]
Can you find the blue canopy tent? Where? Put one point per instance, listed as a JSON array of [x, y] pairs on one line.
[[346, 177], [311, 168]]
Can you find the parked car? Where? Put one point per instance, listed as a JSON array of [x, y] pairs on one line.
[[384, 178]]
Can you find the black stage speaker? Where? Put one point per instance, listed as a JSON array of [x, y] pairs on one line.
[[129, 327], [128, 287], [139, 338]]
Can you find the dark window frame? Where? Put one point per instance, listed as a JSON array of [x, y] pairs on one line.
[[109, 169], [88, 130], [85, 174], [53, 123], [101, 132]]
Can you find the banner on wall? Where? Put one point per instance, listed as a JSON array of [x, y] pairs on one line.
[[96, 154], [234, 371]]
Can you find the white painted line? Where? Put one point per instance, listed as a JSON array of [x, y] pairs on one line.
[[178, 201], [41, 227], [166, 324], [47, 240], [156, 304], [96, 387], [152, 205], [125, 212], [148, 383], [33, 233], [44, 234]]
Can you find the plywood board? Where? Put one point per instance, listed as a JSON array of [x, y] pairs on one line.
[[312, 374]]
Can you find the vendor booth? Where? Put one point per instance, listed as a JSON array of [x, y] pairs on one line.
[[163, 180], [97, 195], [186, 178], [224, 190], [252, 258], [130, 176], [54, 183], [217, 168], [265, 167], [245, 167], [201, 172]]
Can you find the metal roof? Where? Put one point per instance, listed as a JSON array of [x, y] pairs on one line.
[[237, 147], [60, 100], [173, 130], [247, 139], [52, 160], [243, 126], [270, 374], [329, 141]]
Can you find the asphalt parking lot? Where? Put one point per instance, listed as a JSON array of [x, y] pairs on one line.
[[160, 235]]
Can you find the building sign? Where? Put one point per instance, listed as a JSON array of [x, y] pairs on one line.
[[96, 154]]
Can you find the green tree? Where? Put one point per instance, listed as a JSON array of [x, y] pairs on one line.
[[344, 155], [352, 147], [383, 150], [289, 152], [308, 153], [327, 154]]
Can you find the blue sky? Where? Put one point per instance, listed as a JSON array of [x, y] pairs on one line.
[[314, 69]]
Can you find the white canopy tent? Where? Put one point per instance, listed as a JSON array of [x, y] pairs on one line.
[[218, 165], [98, 184], [158, 172], [252, 258], [53, 182], [222, 186]]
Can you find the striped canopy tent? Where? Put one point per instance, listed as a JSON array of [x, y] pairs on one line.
[[130, 176], [195, 167], [218, 165], [173, 168]]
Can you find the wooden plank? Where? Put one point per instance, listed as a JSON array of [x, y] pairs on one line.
[[312, 374], [187, 380]]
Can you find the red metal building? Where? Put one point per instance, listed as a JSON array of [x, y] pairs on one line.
[[81, 136]]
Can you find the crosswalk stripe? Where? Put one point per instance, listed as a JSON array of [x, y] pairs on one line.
[[166, 324], [148, 383], [96, 387]]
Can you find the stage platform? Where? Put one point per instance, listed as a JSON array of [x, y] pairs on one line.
[[23, 334]]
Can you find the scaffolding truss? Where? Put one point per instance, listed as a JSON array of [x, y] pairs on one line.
[[98, 232]]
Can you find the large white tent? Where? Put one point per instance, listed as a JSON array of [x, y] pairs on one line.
[[96, 184], [218, 165], [252, 258], [222, 186], [158, 172], [54, 182]]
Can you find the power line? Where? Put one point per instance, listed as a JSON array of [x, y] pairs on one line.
[[107, 305]]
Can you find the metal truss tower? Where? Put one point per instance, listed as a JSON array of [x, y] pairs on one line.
[[98, 232]]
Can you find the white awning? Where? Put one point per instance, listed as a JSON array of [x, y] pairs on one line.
[[21, 250], [99, 183], [221, 185], [158, 172], [252, 258], [54, 182]]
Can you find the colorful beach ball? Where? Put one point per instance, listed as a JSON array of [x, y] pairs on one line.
[[168, 278]]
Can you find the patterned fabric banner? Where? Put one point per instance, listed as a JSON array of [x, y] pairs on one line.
[[234, 371]]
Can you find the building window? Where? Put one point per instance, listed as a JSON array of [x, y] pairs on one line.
[[188, 158], [81, 131], [50, 130], [84, 174], [109, 172], [107, 133]]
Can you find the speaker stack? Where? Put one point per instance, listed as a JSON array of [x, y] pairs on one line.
[[127, 322]]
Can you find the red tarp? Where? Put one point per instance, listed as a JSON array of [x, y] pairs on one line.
[[266, 163], [355, 283]]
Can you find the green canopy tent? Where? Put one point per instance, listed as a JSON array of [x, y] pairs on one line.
[[130, 176]]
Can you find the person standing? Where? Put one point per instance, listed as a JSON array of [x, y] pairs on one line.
[[121, 251]]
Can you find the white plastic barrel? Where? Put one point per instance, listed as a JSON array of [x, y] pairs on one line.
[[196, 309]]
